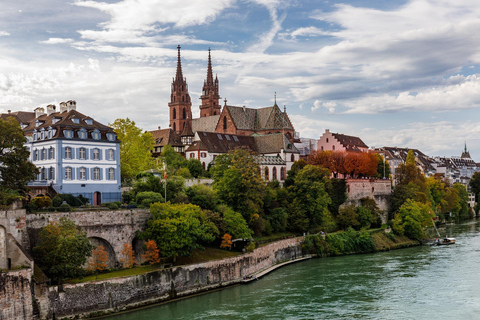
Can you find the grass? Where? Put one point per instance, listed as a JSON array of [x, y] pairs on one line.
[[197, 256], [384, 243]]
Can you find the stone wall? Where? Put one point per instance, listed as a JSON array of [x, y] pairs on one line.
[[379, 190], [14, 221], [3, 249], [16, 295], [126, 292], [110, 228]]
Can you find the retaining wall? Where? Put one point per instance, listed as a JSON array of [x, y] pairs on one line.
[[16, 295], [127, 292], [378, 190]]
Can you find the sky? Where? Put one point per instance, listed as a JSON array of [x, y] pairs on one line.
[[402, 73]]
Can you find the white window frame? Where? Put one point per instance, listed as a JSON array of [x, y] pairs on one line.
[[68, 173], [96, 173], [96, 154], [68, 153], [111, 154], [111, 174], [82, 173], [80, 151]]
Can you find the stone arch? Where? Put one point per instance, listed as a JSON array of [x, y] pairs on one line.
[[137, 246], [3, 248], [97, 241]]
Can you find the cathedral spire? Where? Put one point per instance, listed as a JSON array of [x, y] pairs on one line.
[[210, 98], [179, 74]]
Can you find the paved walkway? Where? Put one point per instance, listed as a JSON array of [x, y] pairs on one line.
[[257, 275]]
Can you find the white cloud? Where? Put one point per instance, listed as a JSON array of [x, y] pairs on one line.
[[313, 128], [304, 32], [329, 105], [4, 33], [57, 41]]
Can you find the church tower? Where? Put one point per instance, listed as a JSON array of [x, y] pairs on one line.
[[180, 103], [210, 97]]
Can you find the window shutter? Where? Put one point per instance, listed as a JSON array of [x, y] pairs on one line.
[[92, 173], [86, 174], [53, 153], [91, 154], [78, 153], [99, 154], [78, 173], [101, 173], [63, 153], [73, 154], [73, 173], [86, 154], [53, 174]]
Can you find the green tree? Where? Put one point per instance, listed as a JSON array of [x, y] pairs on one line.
[[463, 207], [178, 229], [475, 185], [409, 172], [235, 224], [202, 196], [296, 167], [411, 219], [239, 184], [63, 249], [310, 191], [195, 167], [337, 190], [135, 148], [348, 217], [15, 169], [172, 159], [380, 170]]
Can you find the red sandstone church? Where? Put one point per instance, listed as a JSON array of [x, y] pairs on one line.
[[227, 120]]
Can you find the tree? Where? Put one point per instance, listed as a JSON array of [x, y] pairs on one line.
[[15, 169], [296, 166], [381, 172], [475, 185], [98, 260], [337, 190], [310, 193], [63, 249], [135, 148], [178, 229], [172, 159], [348, 217], [127, 258], [464, 209], [226, 241], [239, 184], [411, 219], [409, 172], [152, 254], [195, 167], [235, 224]]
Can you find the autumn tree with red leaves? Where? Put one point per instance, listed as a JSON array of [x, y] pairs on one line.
[[128, 256], [226, 241], [348, 164], [98, 260], [152, 254]]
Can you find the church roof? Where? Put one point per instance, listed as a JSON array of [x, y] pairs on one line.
[[220, 142], [269, 118], [269, 160], [208, 124], [23, 117], [274, 143]]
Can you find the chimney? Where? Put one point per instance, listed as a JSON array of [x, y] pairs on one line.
[[9, 111], [159, 128], [50, 109], [63, 107], [39, 112], [327, 130], [71, 105], [244, 109]]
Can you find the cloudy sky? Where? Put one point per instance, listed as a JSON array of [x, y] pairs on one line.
[[395, 73]]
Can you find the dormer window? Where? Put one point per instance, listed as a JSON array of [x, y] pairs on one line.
[[96, 135], [111, 136], [82, 134], [55, 120], [89, 121], [76, 120], [68, 134]]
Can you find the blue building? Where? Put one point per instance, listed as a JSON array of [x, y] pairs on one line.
[[74, 154]]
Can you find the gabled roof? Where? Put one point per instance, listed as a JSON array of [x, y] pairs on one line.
[[269, 118], [207, 124], [350, 143], [23, 117], [64, 119], [164, 137], [220, 142], [274, 143]]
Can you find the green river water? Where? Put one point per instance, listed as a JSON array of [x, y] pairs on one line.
[[416, 283]]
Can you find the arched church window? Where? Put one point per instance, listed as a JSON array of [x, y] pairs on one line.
[[174, 113], [292, 158], [266, 174], [274, 173], [184, 113]]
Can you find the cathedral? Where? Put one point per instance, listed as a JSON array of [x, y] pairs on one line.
[[269, 128]]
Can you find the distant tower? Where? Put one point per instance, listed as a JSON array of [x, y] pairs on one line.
[[180, 103], [210, 97], [465, 153]]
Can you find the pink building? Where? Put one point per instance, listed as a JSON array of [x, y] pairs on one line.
[[340, 142]]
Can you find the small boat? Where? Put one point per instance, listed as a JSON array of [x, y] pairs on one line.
[[444, 242]]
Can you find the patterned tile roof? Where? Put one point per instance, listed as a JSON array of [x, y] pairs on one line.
[[23, 117], [269, 118], [273, 143], [269, 160], [207, 124]]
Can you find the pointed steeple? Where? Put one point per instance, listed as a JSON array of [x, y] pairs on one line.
[[465, 153], [180, 103], [179, 74], [210, 98]]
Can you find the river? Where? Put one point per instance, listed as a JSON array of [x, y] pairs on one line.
[[416, 283]]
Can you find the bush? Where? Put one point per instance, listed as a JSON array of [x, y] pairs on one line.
[[184, 173], [339, 243], [113, 205], [128, 197], [42, 202], [68, 198], [250, 247], [146, 198]]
